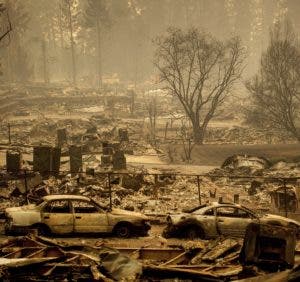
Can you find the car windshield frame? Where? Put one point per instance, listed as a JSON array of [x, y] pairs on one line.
[[42, 203], [89, 201], [255, 214], [102, 207], [252, 213], [192, 210], [203, 209]]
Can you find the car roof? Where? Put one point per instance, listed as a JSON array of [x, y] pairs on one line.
[[212, 205], [65, 197], [216, 204]]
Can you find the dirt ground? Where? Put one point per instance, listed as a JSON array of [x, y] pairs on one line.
[[153, 240]]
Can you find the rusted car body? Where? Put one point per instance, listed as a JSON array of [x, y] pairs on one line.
[[212, 220], [65, 214]]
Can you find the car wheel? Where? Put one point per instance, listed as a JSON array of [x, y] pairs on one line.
[[166, 233], [194, 232], [123, 230], [42, 230]]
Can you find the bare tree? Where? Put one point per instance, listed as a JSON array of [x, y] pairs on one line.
[[186, 137], [275, 90], [132, 97], [200, 71], [6, 26]]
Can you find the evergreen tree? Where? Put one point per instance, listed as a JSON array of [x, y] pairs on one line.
[[96, 20]]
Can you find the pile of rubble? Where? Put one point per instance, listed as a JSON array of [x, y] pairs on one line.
[[36, 258], [33, 258], [135, 190], [216, 259], [158, 192]]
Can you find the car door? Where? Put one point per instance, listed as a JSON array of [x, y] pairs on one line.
[[58, 216], [232, 221], [89, 218], [245, 218], [207, 219]]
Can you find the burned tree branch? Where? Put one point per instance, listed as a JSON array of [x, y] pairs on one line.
[[199, 71]]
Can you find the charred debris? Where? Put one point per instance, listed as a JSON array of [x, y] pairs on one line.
[[116, 157], [96, 157]]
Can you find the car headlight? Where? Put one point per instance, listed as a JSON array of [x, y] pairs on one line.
[[8, 222], [8, 217], [169, 220]]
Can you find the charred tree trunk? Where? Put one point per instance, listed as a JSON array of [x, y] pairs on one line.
[[45, 62], [61, 38], [198, 132]]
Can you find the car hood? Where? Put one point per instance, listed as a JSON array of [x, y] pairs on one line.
[[175, 218], [30, 207], [270, 217], [115, 211]]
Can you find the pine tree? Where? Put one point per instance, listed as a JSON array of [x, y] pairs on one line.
[[70, 25], [96, 20], [18, 63]]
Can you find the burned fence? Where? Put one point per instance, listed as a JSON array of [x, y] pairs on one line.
[[160, 193]]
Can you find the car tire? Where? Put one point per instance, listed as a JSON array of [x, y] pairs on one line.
[[42, 230], [123, 230], [194, 232], [8, 232], [166, 233]]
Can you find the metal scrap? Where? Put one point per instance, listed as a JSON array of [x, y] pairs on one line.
[[58, 262]]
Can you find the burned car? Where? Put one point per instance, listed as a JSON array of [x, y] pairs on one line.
[[212, 220], [66, 214]]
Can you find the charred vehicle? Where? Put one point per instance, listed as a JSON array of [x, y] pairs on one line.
[[212, 220], [65, 214]]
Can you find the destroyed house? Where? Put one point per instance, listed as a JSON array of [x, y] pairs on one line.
[[285, 199]]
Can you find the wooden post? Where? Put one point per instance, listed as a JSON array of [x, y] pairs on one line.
[[166, 130], [9, 136], [236, 198], [26, 185], [199, 191], [156, 186], [285, 198], [109, 188]]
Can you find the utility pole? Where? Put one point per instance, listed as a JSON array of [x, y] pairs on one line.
[[285, 198], [109, 190], [199, 189]]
